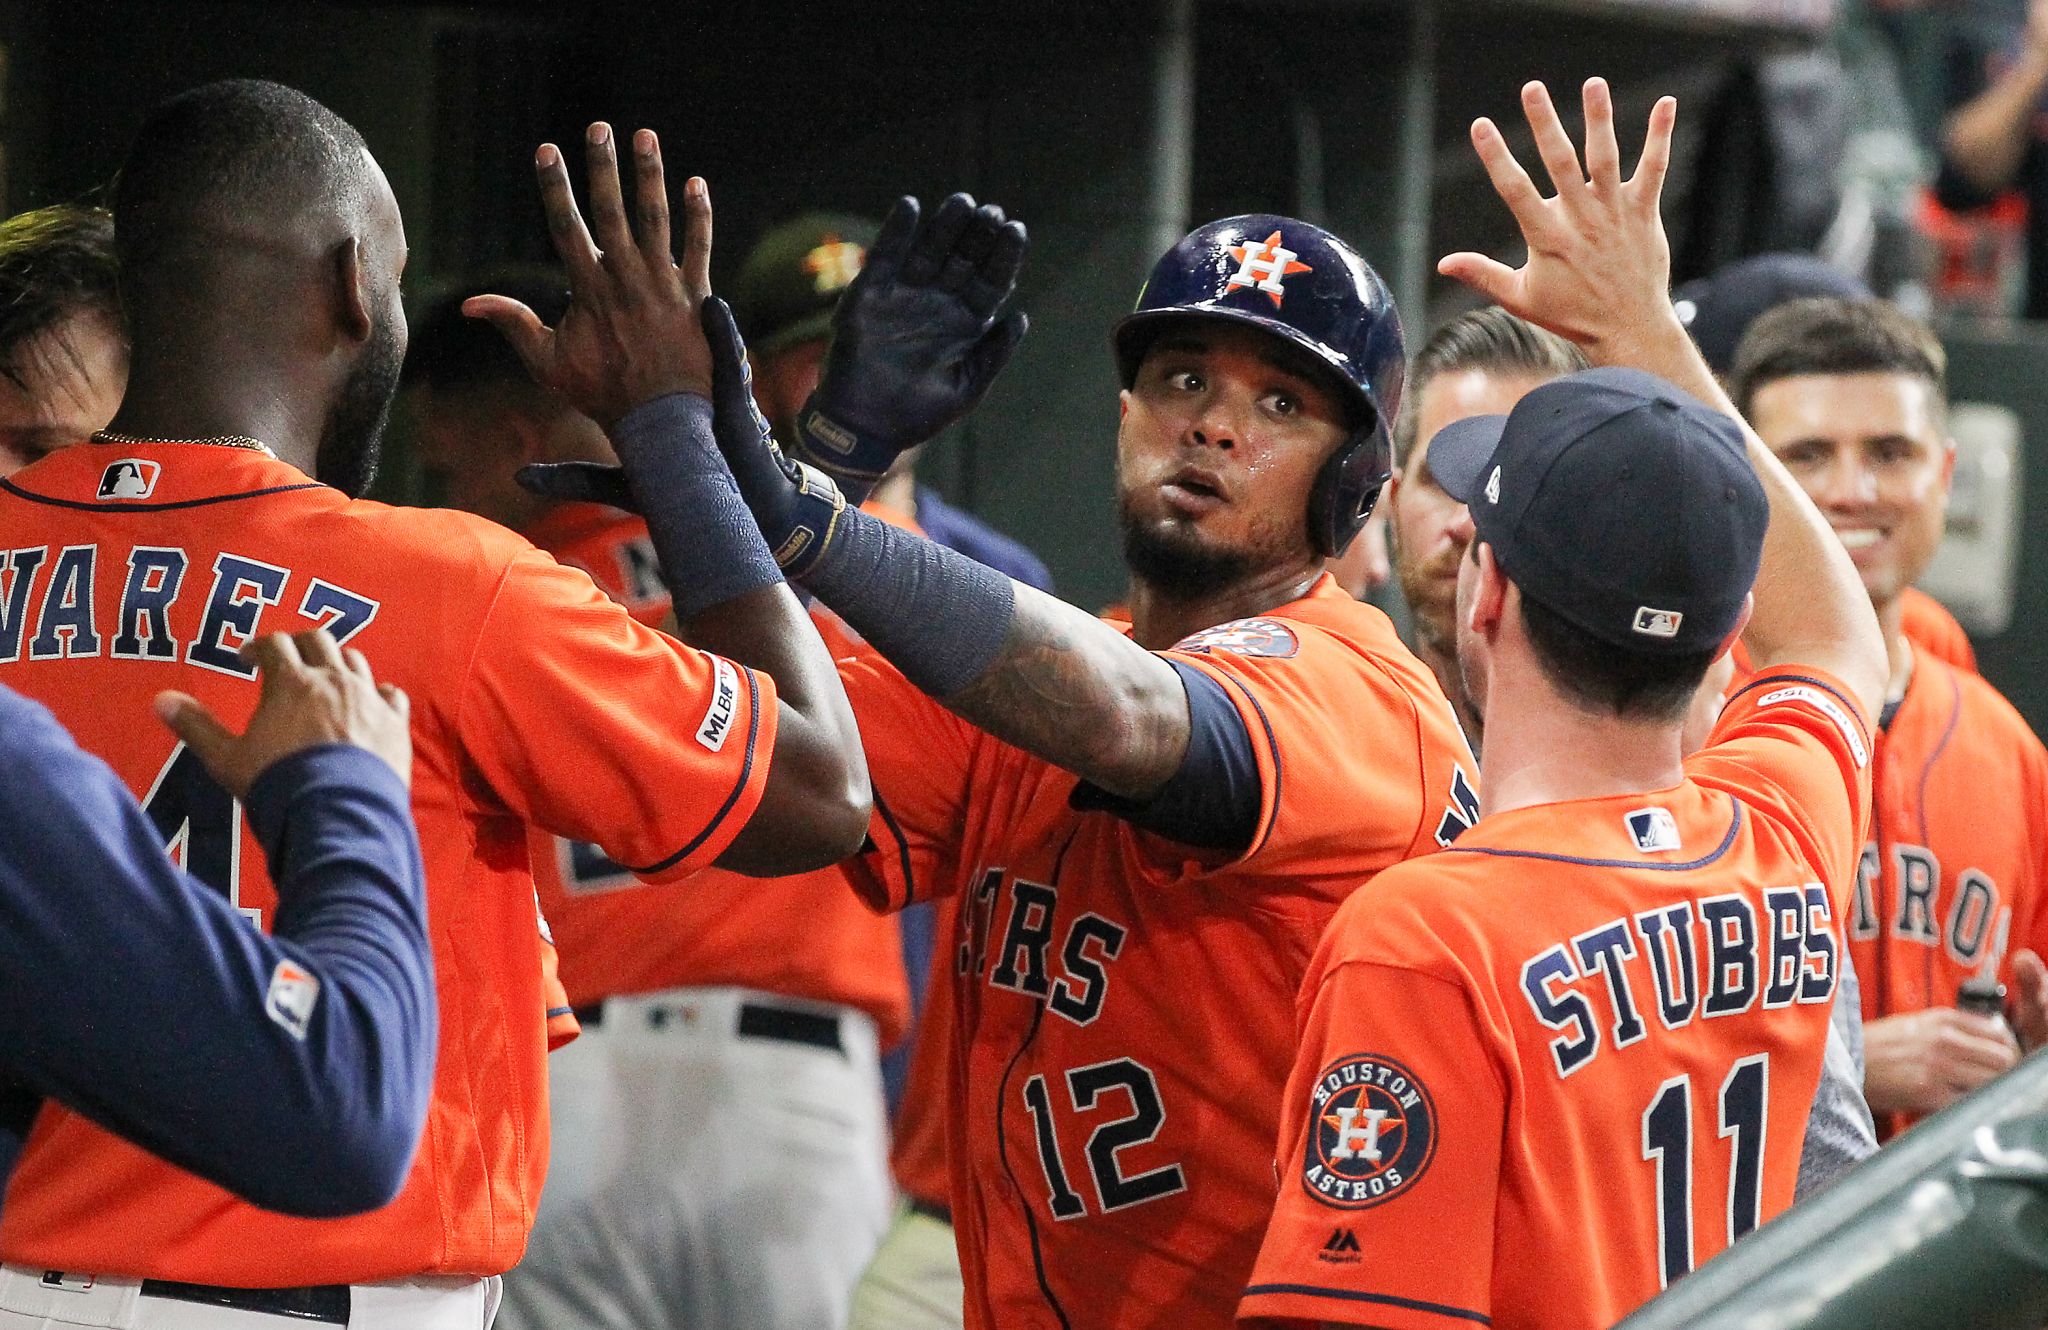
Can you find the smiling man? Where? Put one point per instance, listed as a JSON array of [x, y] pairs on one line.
[[1850, 396]]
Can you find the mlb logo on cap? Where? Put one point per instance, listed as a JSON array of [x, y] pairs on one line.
[[129, 478], [1653, 829], [1658, 623]]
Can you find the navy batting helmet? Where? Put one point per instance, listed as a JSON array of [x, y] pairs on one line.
[[1300, 283]]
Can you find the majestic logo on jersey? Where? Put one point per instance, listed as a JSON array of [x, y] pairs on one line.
[[725, 702], [1341, 1249], [1243, 637], [834, 264], [293, 994], [1263, 267], [129, 478], [1827, 706], [1371, 1132], [1654, 829], [1657, 623]]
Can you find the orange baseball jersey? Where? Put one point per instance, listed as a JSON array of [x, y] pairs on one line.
[[534, 699], [917, 1142], [1952, 878], [1124, 1005], [807, 936], [1547, 1072], [1929, 626]]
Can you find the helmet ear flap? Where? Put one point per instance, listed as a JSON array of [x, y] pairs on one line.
[[1347, 488]]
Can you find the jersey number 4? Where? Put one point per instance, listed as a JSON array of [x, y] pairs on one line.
[[1086, 1086], [1667, 1143], [201, 825]]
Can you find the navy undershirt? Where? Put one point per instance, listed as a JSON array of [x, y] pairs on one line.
[[1212, 800]]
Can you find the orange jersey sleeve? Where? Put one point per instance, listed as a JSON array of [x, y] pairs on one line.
[[615, 549], [1929, 626], [572, 714], [1796, 746], [1296, 685], [1389, 1159]]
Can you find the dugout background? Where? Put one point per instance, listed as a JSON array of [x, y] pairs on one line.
[[1109, 127]]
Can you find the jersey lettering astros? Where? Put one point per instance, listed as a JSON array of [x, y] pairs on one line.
[[534, 699], [1603, 1017], [806, 936], [1123, 1011], [1951, 880]]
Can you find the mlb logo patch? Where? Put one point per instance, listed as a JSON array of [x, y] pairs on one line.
[[1657, 623], [129, 478], [292, 997], [1653, 829]]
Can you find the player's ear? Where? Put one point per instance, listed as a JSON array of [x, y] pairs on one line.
[[1948, 463], [1123, 403], [352, 290], [1490, 590]]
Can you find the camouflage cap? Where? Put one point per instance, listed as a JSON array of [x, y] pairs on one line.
[[791, 280]]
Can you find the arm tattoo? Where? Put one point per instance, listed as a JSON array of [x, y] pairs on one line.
[[1070, 689]]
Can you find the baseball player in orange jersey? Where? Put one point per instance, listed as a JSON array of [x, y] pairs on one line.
[[752, 1013], [1144, 833], [1949, 893], [261, 254], [1602, 1011]]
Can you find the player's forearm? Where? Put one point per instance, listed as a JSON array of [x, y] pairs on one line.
[[319, 1126], [1987, 137], [1025, 667], [1810, 605], [1070, 689], [814, 808]]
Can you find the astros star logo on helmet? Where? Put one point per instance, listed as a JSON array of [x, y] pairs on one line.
[[1264, 266]]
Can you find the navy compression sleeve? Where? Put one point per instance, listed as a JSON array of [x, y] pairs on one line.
[[1212, 800], [294, 1070]]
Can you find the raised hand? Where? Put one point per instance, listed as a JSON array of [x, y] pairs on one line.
[[631, 332], [1599, 265], [794, 505], [313, 693], [917, 338]]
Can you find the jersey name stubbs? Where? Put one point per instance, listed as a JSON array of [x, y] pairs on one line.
[[1688, 960], [54, 607]]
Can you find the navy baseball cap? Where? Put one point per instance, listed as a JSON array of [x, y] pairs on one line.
[[1717, 310], [1618, 501]]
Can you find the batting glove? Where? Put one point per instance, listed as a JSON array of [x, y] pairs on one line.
[[916, 338]]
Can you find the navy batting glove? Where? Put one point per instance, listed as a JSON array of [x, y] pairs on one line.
[[917, 338], [796, 506]]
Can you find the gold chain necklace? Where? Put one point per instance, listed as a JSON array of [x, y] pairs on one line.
[[217, 440]]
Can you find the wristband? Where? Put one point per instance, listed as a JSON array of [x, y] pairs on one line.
[[704, 535], [935, 614]]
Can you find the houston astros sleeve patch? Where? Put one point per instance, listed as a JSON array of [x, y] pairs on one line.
[[1371, 1132]]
